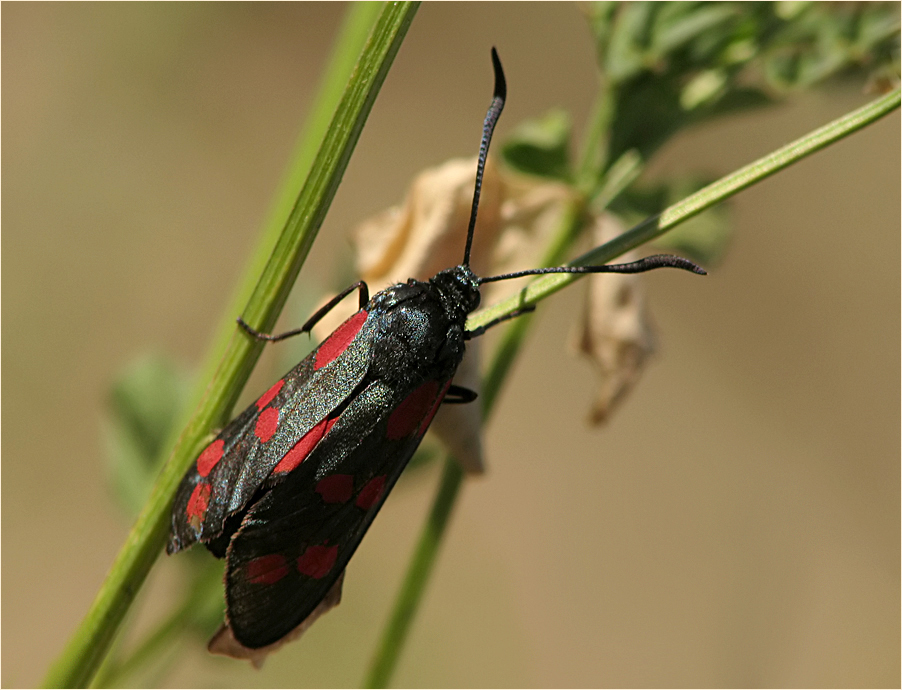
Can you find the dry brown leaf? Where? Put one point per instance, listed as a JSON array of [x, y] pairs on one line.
[[615, 331], [428, 232]]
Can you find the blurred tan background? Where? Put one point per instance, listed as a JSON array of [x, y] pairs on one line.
[[737, 523]]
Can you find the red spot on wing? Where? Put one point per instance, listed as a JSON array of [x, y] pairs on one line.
[[371, 493], [268, 396], [336, 343], [427, 420], [407, 417], [317, 561], [267, 423], [197, 504], [207, 460], [336, 488], [267, 570], [304, 447]]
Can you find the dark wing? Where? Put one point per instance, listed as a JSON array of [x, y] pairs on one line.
[[295, 541], [272, 435]]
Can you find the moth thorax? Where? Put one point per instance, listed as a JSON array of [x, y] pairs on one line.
[[459, 290]]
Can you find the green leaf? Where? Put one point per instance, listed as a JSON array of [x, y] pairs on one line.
[[791, 9], [601, 22], [677, 29], [705, 88], [877, 26], [541, 146], [624, 55], [648, 113], [829, 39], [145, 404]]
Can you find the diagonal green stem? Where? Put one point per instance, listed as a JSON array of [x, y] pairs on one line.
[[91, 641], [352, 36], [199, 597], [422, 561]]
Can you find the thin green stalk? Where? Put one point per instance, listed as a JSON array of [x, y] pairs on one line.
[[89, 644], [394, 635], [594, 156], [352, 36], [166, 634], [202, 597], [418, 572]]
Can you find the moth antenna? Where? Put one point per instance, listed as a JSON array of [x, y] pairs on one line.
[[649, 263], [491, 117]]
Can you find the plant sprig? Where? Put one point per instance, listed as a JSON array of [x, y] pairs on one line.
[[662, 47]]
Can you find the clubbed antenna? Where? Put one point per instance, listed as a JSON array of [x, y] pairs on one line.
[[491, 117], [649, 263]]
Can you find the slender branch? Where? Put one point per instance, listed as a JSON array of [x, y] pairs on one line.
[[352, 36], [90, 643], [395, 633], [199, 597]]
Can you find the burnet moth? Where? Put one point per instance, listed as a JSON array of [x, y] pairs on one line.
[[287, 490]]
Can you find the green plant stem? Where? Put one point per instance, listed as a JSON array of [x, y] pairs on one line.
[[166, 634], [418, 571], [594, 156], [352, 36], [395, 633], [90, 642]]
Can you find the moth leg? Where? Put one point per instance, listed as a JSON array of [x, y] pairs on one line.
[[469, 335], [458, 395], [363, 298]]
